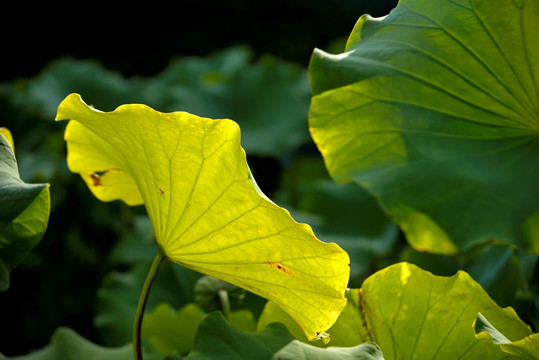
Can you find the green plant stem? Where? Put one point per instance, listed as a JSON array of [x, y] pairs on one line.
[[143, 300], [225, 302]]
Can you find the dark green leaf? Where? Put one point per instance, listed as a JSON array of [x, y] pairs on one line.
[[434, 110], [24, 213], [217, 340], [498, 269], [66, 344], [118, 296]]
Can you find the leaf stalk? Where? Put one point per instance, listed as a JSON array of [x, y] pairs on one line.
[[143, 300]]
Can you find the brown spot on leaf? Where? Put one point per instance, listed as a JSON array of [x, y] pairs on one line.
[[98, 174], [96, 177], [280, 268]]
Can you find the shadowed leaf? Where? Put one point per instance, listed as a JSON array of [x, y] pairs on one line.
[[24, 212], [434, 110], [216, 339]]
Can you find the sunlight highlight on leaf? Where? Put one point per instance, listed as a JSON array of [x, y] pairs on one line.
[[208, 214]]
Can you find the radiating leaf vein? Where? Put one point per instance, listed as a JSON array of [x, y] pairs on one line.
[[452, 69], [465, 47], [509, 65]]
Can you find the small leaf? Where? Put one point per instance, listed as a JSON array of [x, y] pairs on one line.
[[217, 339], [172, 332], [206, 210], [24, 213], [209, 293], [482, 325], [526, 348]]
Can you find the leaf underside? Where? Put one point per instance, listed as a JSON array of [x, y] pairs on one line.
[[206, 210]]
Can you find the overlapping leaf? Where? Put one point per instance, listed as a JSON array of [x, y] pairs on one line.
[[411, 314], [24, 212], [206, 210], [66, 344], [526, 348], [434, 109], [216, 339]]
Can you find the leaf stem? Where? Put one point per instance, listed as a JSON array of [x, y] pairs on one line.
[[143, 300], [225, 302]]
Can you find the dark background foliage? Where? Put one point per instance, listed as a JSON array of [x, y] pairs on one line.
[[141, 39], [56, 285]]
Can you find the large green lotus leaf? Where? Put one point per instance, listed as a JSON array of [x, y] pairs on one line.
[[216, 339], [412, 314], [434, 110], [206, 210], [66, 344], [24, 213]]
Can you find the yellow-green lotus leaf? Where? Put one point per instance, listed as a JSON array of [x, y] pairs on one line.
[[207, 212]]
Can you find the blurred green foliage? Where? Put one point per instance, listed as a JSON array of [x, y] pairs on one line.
[[87, 271]]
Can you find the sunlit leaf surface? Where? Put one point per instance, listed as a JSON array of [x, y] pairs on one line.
[[434, 109], [412, 314], [208, 214]]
